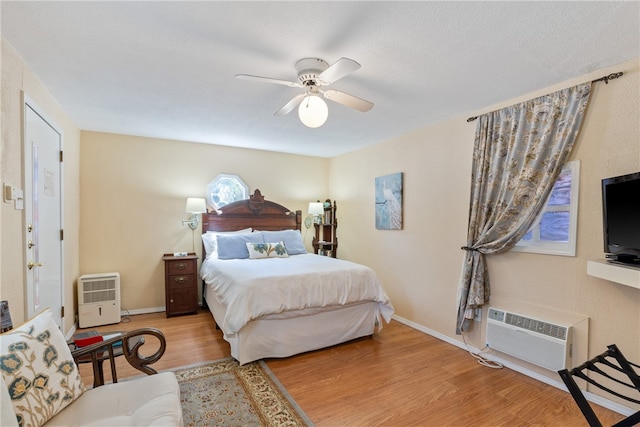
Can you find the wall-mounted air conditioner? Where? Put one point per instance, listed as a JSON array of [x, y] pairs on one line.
[[536, 341], [98, 299]]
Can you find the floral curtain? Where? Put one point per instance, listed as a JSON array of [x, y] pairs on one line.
[[518, 154]]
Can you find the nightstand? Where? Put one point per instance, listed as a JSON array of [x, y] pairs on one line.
[[180, 284]]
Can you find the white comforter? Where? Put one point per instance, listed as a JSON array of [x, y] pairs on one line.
[[253, 288]]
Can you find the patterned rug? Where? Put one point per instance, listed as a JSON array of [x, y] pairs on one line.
[[223, 393]]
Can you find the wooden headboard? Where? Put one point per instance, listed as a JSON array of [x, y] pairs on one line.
[[255, 212]]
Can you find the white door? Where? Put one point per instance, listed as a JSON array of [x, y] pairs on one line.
[[43, 212]]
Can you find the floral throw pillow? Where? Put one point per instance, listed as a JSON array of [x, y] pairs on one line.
[[38, 370], [267, 250]]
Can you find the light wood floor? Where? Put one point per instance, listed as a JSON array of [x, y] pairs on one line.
[[400, 377]]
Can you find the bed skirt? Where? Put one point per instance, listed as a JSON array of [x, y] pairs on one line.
[[284, 337]]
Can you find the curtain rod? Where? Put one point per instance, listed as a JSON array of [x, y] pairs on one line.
[[604, 79]]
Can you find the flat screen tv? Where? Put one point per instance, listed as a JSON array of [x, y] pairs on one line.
[[621, 215]]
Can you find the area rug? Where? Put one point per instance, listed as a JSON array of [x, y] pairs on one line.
[[223, 393]]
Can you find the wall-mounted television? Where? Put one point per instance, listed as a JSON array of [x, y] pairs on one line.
[[621, 215]]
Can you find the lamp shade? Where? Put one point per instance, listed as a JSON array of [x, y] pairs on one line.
[[316, 208], [196, 205], [313, 111]]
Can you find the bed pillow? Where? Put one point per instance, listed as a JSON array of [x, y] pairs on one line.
[[292, 240], [38, 370], [234, 246], [210, 243], [267, 250]]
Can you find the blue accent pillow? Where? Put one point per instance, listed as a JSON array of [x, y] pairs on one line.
[[234, 246], [292, 240], [211, 244]]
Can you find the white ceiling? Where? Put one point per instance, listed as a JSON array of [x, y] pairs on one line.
[[166, 69]]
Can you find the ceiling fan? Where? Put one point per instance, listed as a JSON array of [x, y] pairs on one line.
[[313, 74]]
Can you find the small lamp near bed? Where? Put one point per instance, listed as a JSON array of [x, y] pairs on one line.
[[195, 207], [316, 210]]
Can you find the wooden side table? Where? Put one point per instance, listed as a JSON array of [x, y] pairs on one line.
[[180, 282]]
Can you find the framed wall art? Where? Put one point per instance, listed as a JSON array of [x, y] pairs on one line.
[[389, 202]]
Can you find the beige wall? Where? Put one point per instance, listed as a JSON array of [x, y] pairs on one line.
[[16, 78], [420, 265], [133, 194]]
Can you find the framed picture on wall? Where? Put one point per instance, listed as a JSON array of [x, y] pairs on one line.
[[389, 202]]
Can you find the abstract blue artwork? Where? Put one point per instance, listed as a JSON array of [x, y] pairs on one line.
[[389, 202]]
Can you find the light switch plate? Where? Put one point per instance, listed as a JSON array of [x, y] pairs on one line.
[[7, 193]]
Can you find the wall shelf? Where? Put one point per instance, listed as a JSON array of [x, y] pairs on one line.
[[325, 241], [625, 275]]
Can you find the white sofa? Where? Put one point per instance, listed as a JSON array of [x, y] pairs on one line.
[[152, 400]]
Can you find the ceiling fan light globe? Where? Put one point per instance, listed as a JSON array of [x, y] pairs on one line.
[[313, 111]]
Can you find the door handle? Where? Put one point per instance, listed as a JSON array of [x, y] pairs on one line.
[[32, 264]]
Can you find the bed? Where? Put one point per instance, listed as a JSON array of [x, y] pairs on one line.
[[278, 303]]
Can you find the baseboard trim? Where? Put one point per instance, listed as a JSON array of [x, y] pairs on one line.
[[124, 312], [594, 398]]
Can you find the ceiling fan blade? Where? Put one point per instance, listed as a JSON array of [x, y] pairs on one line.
[[289, 106], [338, 70], [348, 100], [267, 80]]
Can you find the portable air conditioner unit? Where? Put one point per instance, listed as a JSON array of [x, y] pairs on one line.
[[98, 299], [542, 343]]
